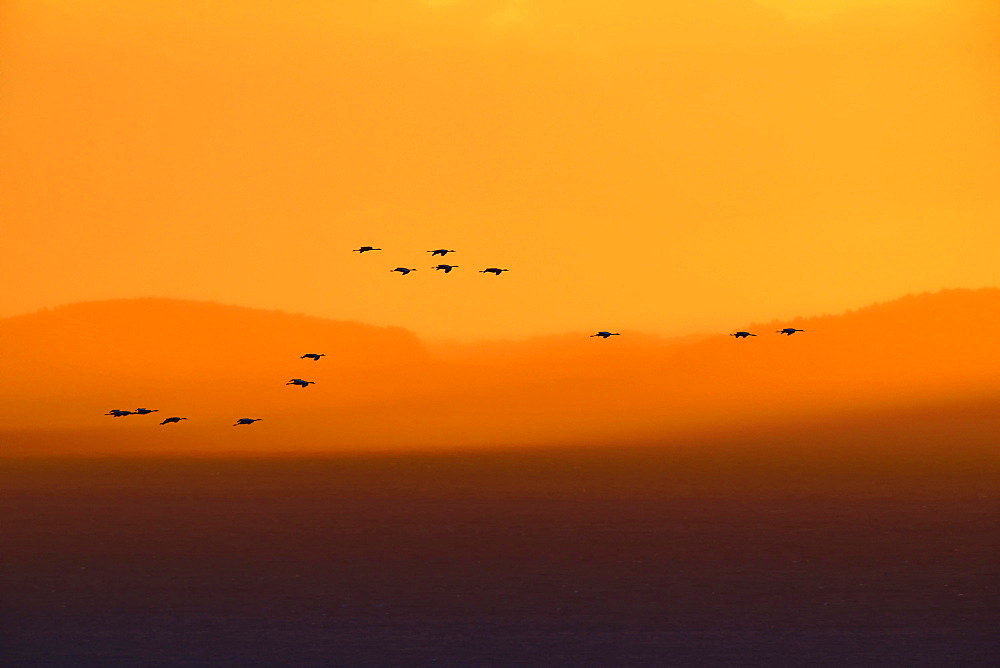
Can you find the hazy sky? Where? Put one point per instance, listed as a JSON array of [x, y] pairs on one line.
[[668, 166]]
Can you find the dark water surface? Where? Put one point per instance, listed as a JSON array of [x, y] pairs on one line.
[[516, 559]]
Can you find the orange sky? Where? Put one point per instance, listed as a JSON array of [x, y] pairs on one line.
[[666, 167]]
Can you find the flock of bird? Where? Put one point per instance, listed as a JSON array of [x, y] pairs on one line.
[[787, 330], [170, 420], [446, 268]]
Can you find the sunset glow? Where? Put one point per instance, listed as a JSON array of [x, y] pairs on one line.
[[499, 333], [662, 167]]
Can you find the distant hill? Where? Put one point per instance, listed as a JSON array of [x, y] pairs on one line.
[[913, 350], [927, 340], [121, 352], [158, 329], [380, 388]]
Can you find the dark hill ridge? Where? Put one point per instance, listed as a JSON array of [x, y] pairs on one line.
[[948, 335], [378, 387], [947, 317], [63, 365], [953, 315], [917, 349], [164, 333]]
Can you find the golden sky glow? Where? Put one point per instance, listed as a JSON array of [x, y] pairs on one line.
[[823, 9], [666, 167]]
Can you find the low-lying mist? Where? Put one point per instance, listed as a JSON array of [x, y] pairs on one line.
[[383, 389]]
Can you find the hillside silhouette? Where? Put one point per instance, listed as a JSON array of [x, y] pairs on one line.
[[196, 356], [382, 388]]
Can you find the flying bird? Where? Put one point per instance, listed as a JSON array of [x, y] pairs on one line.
[[300, 382], [247, 421], [313, 356], [446, 267], [172, 419], [605, 335], [403, 270], [742, 335], [789, 331], [365, 249], [440, 251], [118, 413], [144, 411], [493, 270]]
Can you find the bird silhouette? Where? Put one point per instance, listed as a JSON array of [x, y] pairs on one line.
[[742, 335], [144, 411], [172, 419], [789, 331], [403, 270], [117, 413], [493, 270], [446, 267], [365, 249], [247, 421], [605, 335], [440, 251], [300, 382], [313, 356]]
